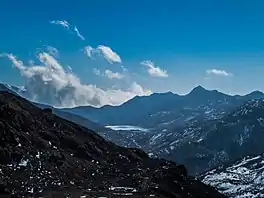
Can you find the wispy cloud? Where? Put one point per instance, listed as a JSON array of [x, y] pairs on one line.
[[124, 68], [65, 24], [153, 70], [108, 73], [17, 63], [111, 75], [97, 72], [104, 51], [88, 51], [218, 72], [78, 33], [48, 82]]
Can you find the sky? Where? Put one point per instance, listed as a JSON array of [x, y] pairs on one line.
[[106, 52]]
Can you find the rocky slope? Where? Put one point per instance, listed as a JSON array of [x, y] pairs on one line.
[[202, 143], [244, 178], [198, 143], [121, 138], [43, 155], [206, 145]]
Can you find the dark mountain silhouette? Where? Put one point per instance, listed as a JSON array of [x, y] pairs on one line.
[[45, 155], [118, 114], [151, 111]]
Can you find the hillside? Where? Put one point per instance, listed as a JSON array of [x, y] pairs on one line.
[[43, 155], [205, 145], [243, 178]]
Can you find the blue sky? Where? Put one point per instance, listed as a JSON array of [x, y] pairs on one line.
[[217, 44]]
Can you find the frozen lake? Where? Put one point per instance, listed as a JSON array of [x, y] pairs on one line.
[[126, 128]]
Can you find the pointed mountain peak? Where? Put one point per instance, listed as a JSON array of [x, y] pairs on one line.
[[205, 93], [198, 89]]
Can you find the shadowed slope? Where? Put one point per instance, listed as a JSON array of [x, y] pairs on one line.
[[42, 154]]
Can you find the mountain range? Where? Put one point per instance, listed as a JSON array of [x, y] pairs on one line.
[[205, 145], [43, 155], [203, 130], [160, 108]]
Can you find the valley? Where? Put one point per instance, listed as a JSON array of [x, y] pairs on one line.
[[43, 155], [131, 99], [216, 131]]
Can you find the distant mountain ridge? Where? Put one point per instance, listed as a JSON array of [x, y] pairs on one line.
[[197, 91], [144, 110]]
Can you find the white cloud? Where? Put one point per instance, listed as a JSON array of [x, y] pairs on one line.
[[48, 82], [111, 75], [105, 51], [78, 33], [109, 54], [108, 73], [218, 72], [16, 63], [88, 51], [139, 90], [154, 70], [65, 24]]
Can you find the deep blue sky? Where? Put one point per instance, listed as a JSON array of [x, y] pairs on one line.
[[186, 38]]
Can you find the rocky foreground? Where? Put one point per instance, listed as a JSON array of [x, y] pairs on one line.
[[43, 155]]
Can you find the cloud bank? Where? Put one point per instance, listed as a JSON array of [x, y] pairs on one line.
[[218, 72], [154, 70], [48, 82], [104, 51], [65, 24]]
